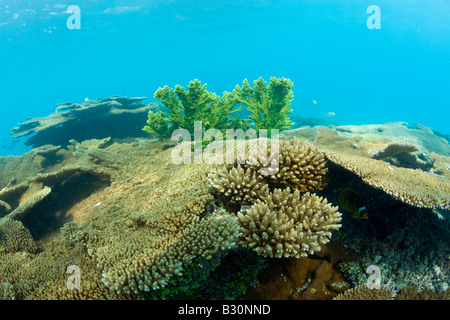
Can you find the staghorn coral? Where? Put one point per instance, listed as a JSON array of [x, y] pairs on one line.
[[195, 104], [294, 163], [238, 185], [269, 105], [365, 293], [300, 165], [413, 187], [285, 225]]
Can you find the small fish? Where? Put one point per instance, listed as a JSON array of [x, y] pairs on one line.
[[314, 101], [86, 99], [351, 201], [329, 114]]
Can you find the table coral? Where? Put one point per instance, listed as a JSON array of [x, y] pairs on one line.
[[413, 187], [97, 118]]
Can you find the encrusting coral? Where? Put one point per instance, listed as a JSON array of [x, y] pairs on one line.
[[287, 225]]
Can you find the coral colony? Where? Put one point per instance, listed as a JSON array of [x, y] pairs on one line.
[[125, 213]]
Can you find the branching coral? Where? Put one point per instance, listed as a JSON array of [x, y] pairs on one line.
[[269, 105], [238, 185], [186, 107], [279, 223], [299, 165], [285, 225]]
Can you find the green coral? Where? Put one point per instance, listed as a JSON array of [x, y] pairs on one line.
[[157, 124], [269, 105], [188, 106]]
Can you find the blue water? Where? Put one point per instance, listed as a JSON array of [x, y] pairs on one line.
[[400, 72]]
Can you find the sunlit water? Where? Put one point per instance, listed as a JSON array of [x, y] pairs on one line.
[[400, 72]]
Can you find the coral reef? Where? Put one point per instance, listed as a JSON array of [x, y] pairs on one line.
[[29, 164], [99, 118], [281, 223], [386, 293], [421, 136], [141, 227], [416, 294]]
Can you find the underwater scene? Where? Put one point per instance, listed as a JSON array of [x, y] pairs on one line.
[[224, 150]]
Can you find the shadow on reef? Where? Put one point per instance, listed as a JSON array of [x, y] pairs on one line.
[[407, 243], [385, 213], [50, 214]]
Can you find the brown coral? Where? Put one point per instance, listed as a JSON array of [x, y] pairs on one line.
[[21, 210], [365, 293], [285, 225], [14, 237], [142, 251], [298, 164], [238, 185], [409, 293], [413, 187]]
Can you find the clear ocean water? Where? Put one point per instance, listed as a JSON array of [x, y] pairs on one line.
[[399, 72]]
